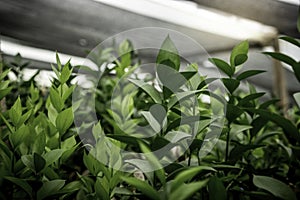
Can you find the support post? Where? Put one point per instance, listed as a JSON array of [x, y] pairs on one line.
[[279, 81]]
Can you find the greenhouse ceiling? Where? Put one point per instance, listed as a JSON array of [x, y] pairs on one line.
[[71, 26], [74, 26]]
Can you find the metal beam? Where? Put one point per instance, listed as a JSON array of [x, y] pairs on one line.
[[279, 14]]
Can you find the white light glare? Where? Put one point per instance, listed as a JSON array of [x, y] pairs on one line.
[[32, 53], [294, 2], [198, 18], [44, 77]]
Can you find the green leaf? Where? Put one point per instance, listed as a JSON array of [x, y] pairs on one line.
[[297, 98], [245, 101], [291, 40], [28, 161], [231, 84], [187, 175], [69, 143], [65, 73], [232, 112], [39, 143], [168, 54], [166, 92], [64, 120], [142, 186], [156, 117], [4, 84], [149, 89], [39, 162], [5, 149], [239, 54], [216, 189], [58, 62], [289, 128], [155, 125], [154, 163], [223, 66], [125, 47], [281, 57], [176, 136], [171, 79], [184, 120], [21, 183], [160, 142], [196, 144], [266, 104], [258, 123], [124, 51], [100, 190], [34, 93], [15, 112], [71, 187], [4, 74], [52, 156], [10, 128], [296, 68], [115, 180], [237, 152], [50, 188], [56, 100], [240, 59], [19, 136], [180, 96], [55, 71], [188, 74], [14, 116], [264, 136], [4, 92], [238, 128], [125, 139], [274, 186], [67, 91], [142, 164], [122, 191], [223, 167], [94, 166], [249, 73], [185, 191], [24, 117], [205, 82]]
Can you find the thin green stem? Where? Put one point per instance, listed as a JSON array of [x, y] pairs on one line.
[[190, 158], [227, 142]]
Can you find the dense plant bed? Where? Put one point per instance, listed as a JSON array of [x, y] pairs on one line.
[[254, 154]]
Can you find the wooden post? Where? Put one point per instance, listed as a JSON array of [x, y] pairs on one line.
[[279, 81]]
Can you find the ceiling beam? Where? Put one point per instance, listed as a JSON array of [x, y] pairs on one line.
[[74, 26], [275, 13]]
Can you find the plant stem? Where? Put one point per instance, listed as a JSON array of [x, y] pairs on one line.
[[190, 158], [198, 158], [194, 132], [227, 142]]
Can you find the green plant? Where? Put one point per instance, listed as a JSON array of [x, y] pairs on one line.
[[42, 155], [36, 146]]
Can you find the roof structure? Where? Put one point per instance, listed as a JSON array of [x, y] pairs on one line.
[[74, 26]]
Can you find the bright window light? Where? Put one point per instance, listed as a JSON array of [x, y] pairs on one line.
[[11, 48], [199, 18], [294, 2], [44, 77]]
